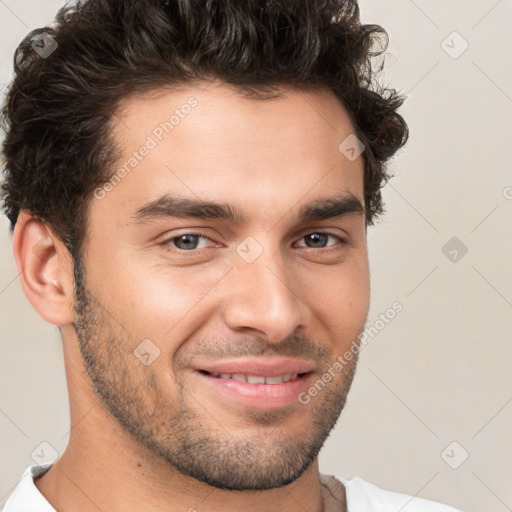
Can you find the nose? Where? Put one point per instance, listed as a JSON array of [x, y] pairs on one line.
[[263, 296]]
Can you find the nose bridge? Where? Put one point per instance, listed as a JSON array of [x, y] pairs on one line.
[[261, 292]]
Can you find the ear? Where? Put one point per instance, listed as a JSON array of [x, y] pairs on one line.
[[45, 268]]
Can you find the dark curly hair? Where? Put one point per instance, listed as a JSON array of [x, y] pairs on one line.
[[58, 146]]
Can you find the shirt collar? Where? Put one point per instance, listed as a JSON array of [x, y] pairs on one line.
[[26, 496]]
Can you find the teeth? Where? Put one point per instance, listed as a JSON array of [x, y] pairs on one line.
[[256, 379], [252, 379], [274, 380]]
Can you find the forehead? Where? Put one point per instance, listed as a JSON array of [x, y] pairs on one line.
[[216, 107], [209, 142]]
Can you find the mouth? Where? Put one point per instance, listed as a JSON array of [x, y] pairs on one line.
[[257, 383], [256, 379]]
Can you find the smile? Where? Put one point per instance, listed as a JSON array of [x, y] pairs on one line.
[[256, 379]]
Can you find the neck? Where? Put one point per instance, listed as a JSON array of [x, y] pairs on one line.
[[104, 468], [104, 475]]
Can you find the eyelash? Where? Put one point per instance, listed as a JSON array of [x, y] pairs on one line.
[[167, 243]]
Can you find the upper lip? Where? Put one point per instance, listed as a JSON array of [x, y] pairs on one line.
[[266, 367]]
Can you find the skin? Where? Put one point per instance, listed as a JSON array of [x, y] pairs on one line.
[[267, 158]]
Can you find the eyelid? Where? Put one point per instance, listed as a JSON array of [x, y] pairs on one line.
[[333, 235], [339, 238], [342, 243], [167, 241]]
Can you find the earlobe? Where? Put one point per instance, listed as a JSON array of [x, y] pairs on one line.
[[45, 269]]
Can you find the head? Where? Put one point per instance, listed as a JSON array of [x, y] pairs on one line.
[[223, 126]]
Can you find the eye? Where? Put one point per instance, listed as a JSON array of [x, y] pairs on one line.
[[189, 242], [319, 239], [186, 241]]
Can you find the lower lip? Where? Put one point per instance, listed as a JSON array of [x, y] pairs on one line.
[[262, 396]]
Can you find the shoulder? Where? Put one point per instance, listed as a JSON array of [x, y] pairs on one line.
[[363, 496]]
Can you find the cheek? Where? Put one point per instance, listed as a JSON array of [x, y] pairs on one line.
[[339, 297], [159, 301], [152, 299]]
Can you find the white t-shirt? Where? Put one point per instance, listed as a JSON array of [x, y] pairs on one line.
[[361, 497]]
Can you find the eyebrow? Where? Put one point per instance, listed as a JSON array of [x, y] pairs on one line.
[[180, 207]]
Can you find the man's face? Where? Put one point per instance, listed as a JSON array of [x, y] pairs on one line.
[[175, 313]]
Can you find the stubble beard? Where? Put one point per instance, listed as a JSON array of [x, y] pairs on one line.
[[179, 432]]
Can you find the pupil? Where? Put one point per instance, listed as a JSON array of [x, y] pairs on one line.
[[188, 241], [318, 238]]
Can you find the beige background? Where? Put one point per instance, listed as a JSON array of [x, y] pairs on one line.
[[440, 371]]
